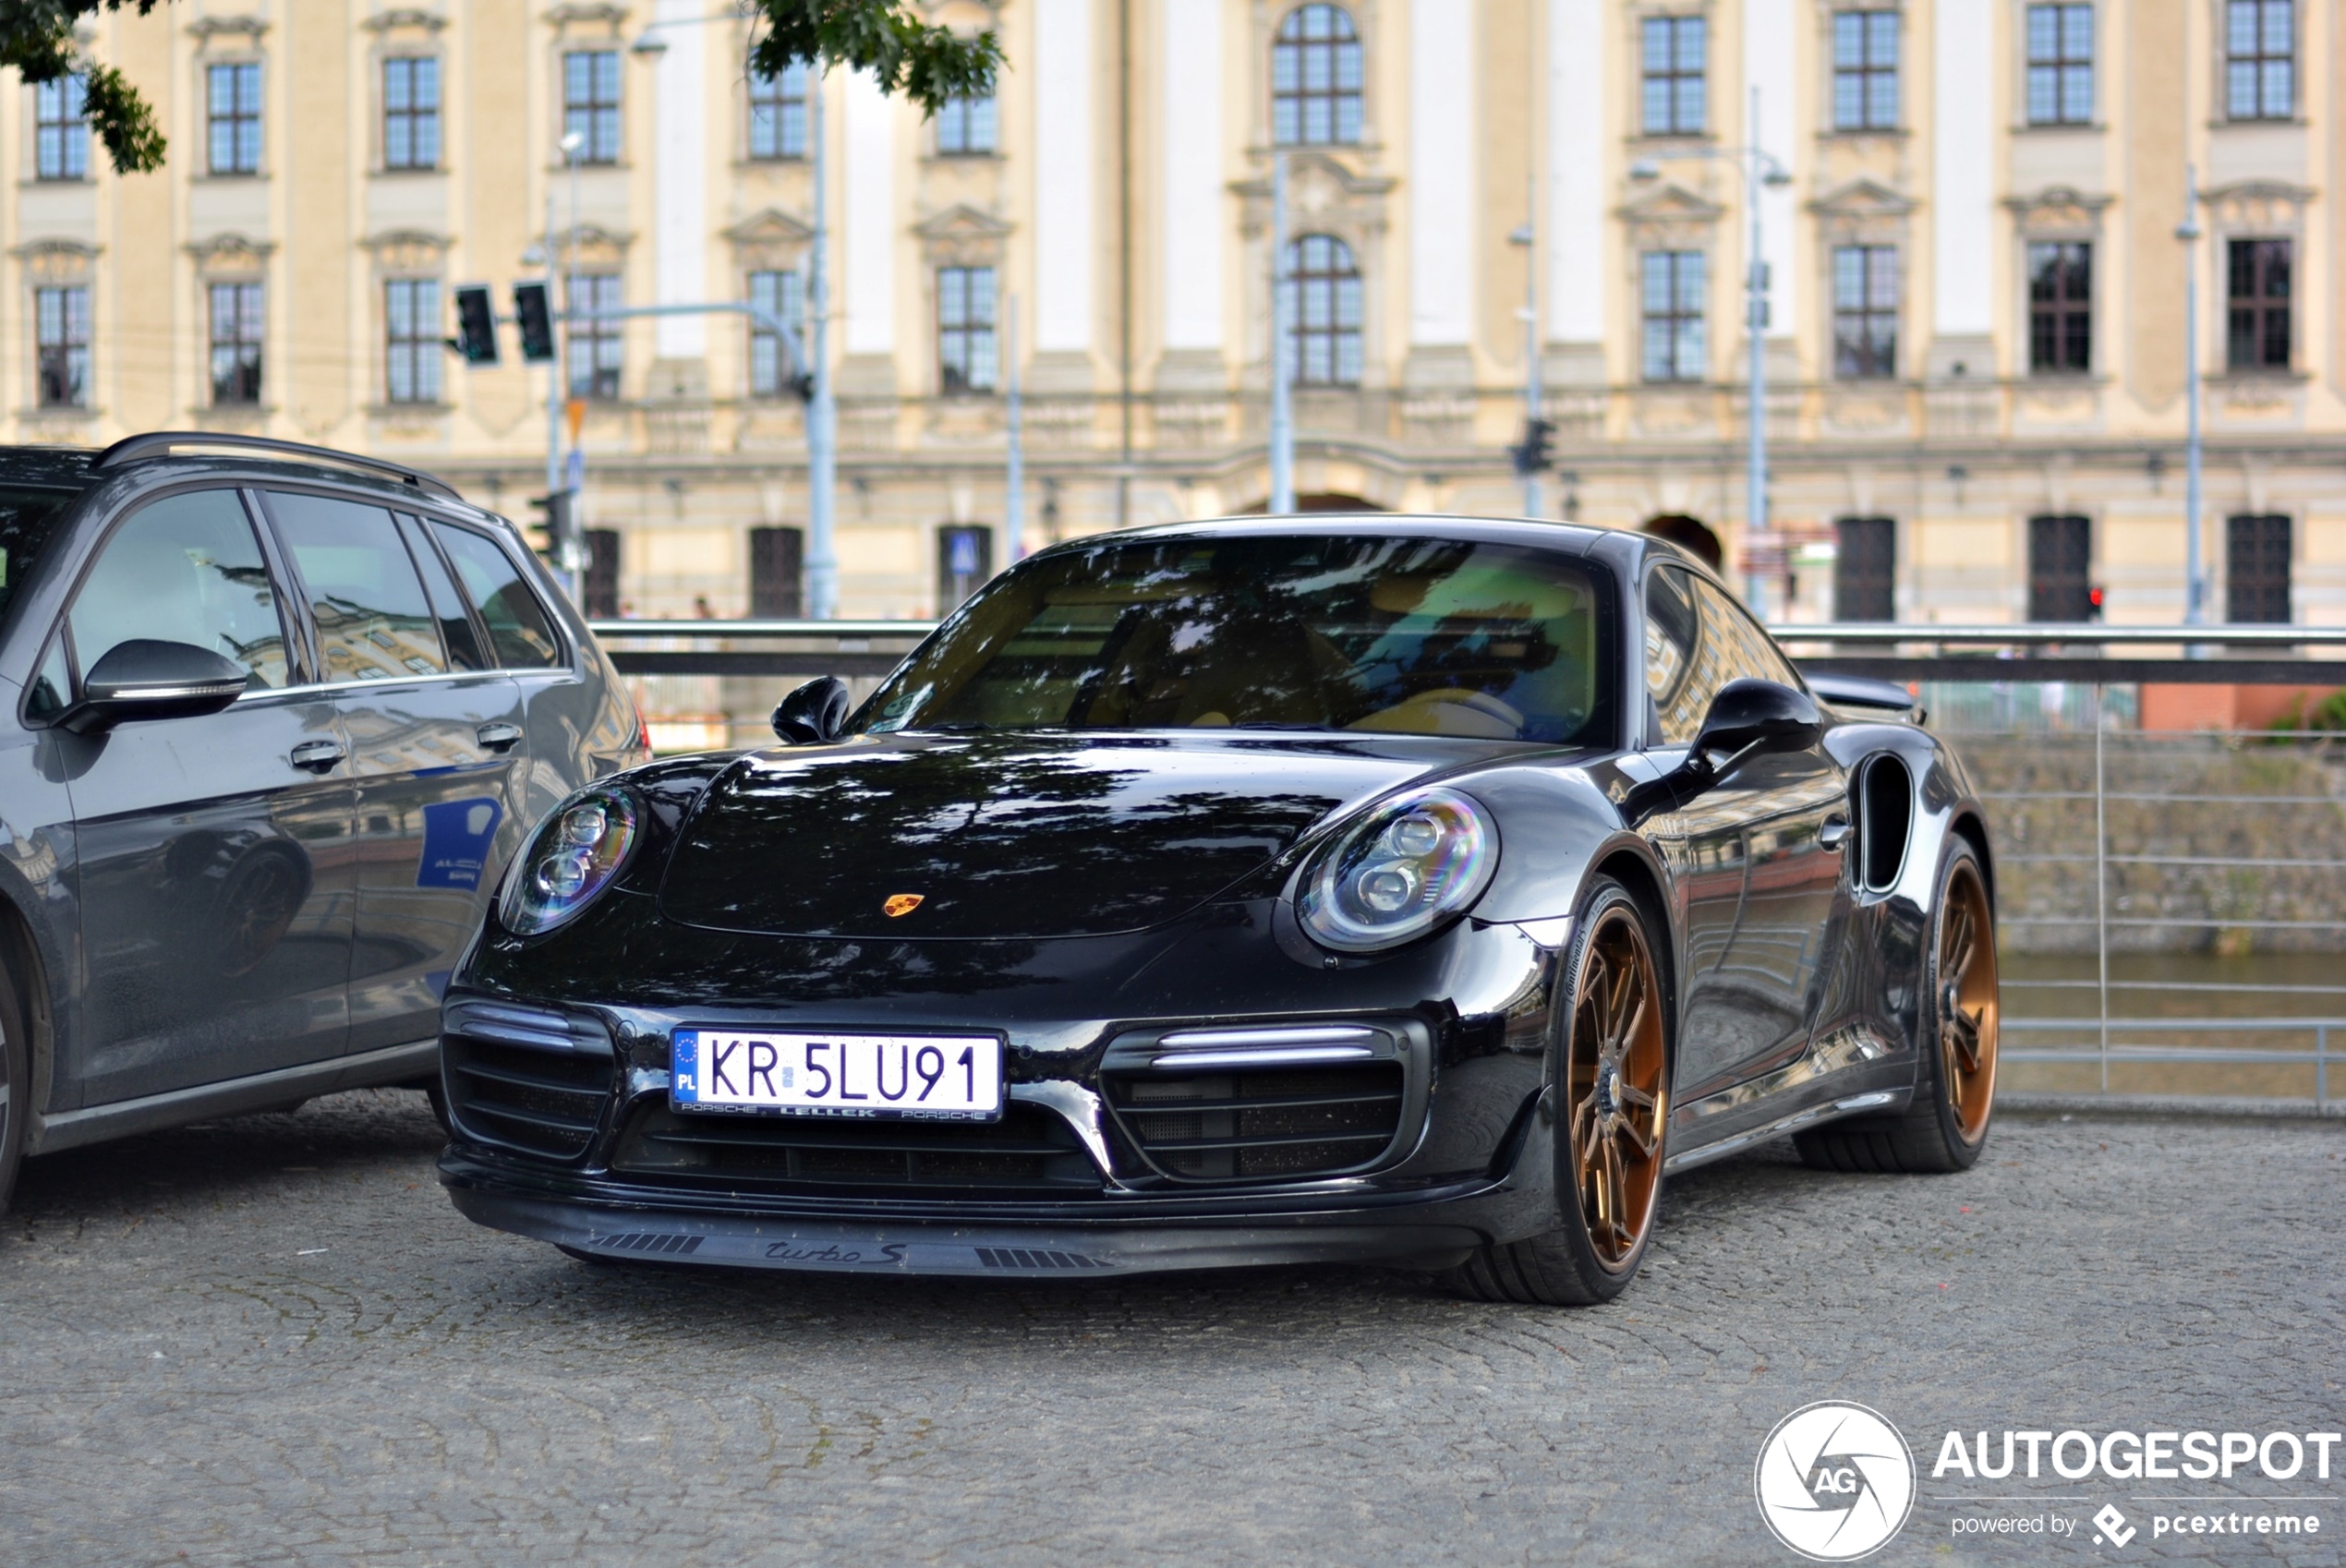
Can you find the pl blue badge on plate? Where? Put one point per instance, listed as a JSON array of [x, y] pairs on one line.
[[457, 838]]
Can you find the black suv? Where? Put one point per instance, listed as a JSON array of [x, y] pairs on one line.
[[277, 718]]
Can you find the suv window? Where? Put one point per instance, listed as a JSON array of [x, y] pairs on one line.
[[447, 604], [372, 618], [27, 517], [184, 568], [522, 635]]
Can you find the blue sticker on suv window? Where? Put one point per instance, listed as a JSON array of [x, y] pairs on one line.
[[456, 839]]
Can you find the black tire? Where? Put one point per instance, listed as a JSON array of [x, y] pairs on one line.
[[16, 1086], [1945, 1126], [1611, 1089]]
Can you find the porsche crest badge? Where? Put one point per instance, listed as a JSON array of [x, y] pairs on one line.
[[902, 904]]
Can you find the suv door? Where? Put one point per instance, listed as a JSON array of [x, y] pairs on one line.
[[215, 869], [565, 712], [436, 744]]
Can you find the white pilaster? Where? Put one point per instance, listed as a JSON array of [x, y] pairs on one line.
[[1065, 202], [680, 122], [1576, 111], [868, 196], [1769, 65], [1963, 185], [1443, 178], [1191, 93]]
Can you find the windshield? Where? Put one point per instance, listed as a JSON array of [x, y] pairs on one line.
[[1399, 635], [27, 515]]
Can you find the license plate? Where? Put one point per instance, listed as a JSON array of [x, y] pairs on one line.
[[956, 1077]]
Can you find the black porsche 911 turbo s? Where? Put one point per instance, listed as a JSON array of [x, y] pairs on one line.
[[1420, 890]]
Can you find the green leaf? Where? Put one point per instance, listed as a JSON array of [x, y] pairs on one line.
[[929, 66]]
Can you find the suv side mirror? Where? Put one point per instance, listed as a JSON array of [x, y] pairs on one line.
[[815, 713], [145, 678], [1747, 716]]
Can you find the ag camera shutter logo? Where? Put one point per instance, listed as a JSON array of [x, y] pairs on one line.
[[1834, 1481]]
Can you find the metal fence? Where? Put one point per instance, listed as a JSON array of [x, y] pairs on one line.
[[2173, 903]]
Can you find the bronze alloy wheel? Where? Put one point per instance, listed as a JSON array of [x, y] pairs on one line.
[[1968, 1001], [1618, 1087]]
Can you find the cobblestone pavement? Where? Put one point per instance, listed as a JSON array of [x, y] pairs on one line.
[[272, 1340]]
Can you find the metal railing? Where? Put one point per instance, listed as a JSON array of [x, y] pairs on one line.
[[2070, 878]]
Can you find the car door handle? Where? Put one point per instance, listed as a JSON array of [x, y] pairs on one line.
[[1835, 833], [319, 757], [499, 736]]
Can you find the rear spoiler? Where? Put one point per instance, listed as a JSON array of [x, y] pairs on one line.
[[1861, 690]]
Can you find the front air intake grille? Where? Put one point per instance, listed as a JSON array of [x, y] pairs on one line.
[[1268, 1124], [525, 1078], [1031, 1150]]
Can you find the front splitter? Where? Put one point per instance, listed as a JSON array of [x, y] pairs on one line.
[[997, 1251]]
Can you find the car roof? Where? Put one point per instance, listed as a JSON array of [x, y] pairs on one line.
[[76, 468], [1624, 548], [57, 468]]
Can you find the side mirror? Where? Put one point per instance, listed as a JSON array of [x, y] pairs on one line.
[[1747, 717], [815, 713], [148, 678], [1751, 715]]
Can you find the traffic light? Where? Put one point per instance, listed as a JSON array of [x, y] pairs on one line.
[[536, 323], [476, 336], [1532, 456], [556, 523], [2093, 601]]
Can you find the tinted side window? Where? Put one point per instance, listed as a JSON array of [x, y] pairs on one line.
[[1682, 667], [447, 604], [522, 636], [1745, 650], [185, 569], [374, 621]]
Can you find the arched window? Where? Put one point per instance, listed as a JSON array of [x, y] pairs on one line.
[[1315, 79], [1323, 313]]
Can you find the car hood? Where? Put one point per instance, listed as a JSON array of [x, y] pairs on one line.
[[1012, 835]]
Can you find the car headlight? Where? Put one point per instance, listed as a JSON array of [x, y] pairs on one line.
[[572, 856], [1411, 863]]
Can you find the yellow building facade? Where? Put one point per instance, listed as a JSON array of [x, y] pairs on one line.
[[1976, 340]]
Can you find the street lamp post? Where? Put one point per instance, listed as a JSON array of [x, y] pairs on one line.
[[1282, 405], [822, 411], [2194, 586], [1761, 172], [1527, 239]]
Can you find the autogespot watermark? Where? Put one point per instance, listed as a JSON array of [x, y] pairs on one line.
[[1835, 1481]]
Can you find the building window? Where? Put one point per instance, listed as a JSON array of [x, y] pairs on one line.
[[2061, 64], [599, 589], [2061, 307], [1864, 569], [1865, 70], [1316, 78], [1865, 311], [2257, 325], [964, 560], [777, 581], [590, 103], [2061, 556], [1676, 51], [1672, 301], [2260, 59], [411, 113], [235, 342], [965, 127], [412, 344], [595, 344], [965, 329], [778, 113], [2256, 569], [780, 294], [1324, 313], [61, 324], [61, 137], [232, 99]]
